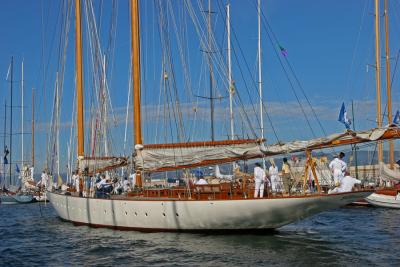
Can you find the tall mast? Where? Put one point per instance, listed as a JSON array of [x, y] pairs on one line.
[[57, 125], [231, 89], [105, 107], [388, 84], [79, 78], [378, 78], [135, 57], [4, 138], [33, 127], [211, 72], [22, 113], [11, 116], [259, 74]]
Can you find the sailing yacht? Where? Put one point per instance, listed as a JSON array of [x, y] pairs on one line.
[[385, 197], [214, 207]]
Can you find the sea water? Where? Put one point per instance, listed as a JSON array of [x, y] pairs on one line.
[[33, 235]]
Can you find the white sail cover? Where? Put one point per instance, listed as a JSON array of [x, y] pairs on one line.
[[170, 157], [387, 174], [180, 157], [100, 164], [329, 141]]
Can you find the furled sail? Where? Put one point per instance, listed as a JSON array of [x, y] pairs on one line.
[[100, 164], [340, 139], [387, 174], [163, 157]]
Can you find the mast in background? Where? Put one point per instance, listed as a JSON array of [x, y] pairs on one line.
[[211, 72], [11, 115], [231, 88], [378, 79], [388, 84], [79, 79], [259, 74], [135, 57], [4, 139], [33, 128], [22, 113]]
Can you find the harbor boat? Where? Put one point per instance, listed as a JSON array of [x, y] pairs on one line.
[[226, 206], [385, 197]]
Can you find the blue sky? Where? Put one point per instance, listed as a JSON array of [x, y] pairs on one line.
[[330, 47]]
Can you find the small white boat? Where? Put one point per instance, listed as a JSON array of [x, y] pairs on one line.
[[389, 198]]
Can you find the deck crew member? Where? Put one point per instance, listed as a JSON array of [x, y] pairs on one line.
[[346, 184], [259, 180], [76, 180], [126, 185], [274, 176], [286, 176], [44, 180], [338, 168]]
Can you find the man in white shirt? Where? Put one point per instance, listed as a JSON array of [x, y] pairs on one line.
[[76, 181], [259, 179], [346, 185], [338, 167], [126, 185], [274, 176], [201, 181]]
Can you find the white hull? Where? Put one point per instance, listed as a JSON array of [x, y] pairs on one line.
[[381, 200], [194, 215]]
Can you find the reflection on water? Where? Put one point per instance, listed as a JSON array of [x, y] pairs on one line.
[[347, 236]]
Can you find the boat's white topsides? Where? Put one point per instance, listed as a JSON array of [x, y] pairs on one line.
[[174, 215]]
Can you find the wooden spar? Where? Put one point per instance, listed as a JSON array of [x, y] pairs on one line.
[[33, 128], [135, 58], [388, 84], [378, 78], [391, 133], [79, 78], [205, 143]]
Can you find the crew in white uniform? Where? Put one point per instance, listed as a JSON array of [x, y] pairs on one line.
[[274, 176], [259, 179], [338, 167], [346, 184], [76, 181]]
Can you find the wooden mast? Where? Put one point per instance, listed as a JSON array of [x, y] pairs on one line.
[[79, 79], [388, 84], [378, 78], [135, 58]]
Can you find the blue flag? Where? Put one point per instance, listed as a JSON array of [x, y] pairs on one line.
[[396, 119], [16, 168], [343, 117]]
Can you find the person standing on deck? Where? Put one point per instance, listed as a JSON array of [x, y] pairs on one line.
[[259, 179], [274, 176], [338, 168], [286, 176], [76, 180]]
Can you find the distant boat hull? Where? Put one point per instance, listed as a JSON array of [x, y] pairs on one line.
[[384, 200], [194, 215], [16, 199]]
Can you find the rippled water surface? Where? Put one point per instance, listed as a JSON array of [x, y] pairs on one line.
[[33, 235]]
